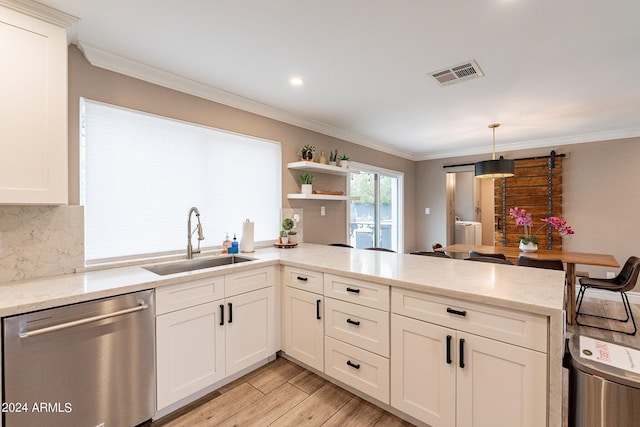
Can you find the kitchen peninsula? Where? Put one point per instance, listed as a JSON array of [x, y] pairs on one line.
[[485, 306]]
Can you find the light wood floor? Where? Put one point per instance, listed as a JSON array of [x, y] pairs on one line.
[[282, 393]]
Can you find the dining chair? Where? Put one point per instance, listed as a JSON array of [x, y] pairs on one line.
[[490, 259], [551, 264], [427, 253], [474, 254], [623, 282], [381, 249], [342, 245]]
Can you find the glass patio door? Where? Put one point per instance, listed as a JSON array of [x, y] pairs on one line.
[[375, 218]]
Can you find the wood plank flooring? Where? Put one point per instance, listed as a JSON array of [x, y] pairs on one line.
[[282, 393]]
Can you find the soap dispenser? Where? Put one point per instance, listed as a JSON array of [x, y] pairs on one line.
[[226, 244], [234, 246]]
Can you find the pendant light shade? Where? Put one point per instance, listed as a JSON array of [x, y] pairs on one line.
[[501, 168]]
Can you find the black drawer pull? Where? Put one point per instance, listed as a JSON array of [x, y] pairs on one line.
[[221, 314], [461, 352], [353, 365], [318, 317], [449, 337], [457, 312], [230, 313], [353, 322], [355, 291], [304, 279]]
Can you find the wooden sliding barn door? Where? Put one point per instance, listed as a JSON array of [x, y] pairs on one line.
[[536, 187]]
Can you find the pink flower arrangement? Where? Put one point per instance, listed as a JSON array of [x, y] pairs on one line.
[[524, 219]]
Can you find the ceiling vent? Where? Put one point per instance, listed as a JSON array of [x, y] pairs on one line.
[[459, 73]]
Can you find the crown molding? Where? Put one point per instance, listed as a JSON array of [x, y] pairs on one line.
[[42, 12], [112, 62], [539, 143]]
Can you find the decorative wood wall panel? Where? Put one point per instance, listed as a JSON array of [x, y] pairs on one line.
[[536, 187]]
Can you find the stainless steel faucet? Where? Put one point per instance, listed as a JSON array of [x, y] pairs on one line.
[[190, 232]]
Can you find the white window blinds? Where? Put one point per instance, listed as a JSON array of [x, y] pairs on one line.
[[140, 175]]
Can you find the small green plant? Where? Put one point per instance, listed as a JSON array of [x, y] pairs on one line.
[[333, 155], [306, 178], [287, 224], [344, 157], [292, 233], [283, 233]]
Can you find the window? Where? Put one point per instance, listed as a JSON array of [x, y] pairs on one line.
[[141, 173], [376, 219]]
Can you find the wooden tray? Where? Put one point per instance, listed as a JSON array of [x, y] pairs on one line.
[[329, 193], [285, 245]]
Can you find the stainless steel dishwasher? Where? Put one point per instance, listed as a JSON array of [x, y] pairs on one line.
[[87, 364]]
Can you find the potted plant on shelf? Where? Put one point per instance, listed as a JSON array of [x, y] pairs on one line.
[[306, 181], [529, 243], [284, 237], [344, 161], [333, 158], [287, 225], [307, 152]]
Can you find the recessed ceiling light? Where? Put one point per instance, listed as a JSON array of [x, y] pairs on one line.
[[296, 81]]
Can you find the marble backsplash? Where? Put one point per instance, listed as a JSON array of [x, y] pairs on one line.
[[37, 241]]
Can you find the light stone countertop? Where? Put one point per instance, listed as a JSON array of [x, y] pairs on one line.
[[528, 289]]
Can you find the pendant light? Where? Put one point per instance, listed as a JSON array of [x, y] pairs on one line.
[[501, 168]]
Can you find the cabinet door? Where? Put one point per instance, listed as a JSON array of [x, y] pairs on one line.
[[500, 385], [250, 328], [33, 110], [304, 327], [423, 377], [190, 352]]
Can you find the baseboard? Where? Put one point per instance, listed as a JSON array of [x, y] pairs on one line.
[[634, 297]]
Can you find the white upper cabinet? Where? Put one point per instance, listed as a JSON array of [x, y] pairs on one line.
[[33, 110]]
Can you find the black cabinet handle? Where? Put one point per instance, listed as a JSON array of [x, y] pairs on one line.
[[457, 312], [304, 279], [353, 365], [230, 312], [461, 352], [221, 314], [318, 309], [353, 322], [355, 291], [449, 337]]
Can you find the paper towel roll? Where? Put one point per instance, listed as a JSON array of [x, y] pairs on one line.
[[246, 241]]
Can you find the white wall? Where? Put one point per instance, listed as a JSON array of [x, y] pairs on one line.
[[601, 197]]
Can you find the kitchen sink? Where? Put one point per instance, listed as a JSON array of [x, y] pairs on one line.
[[196, 264]]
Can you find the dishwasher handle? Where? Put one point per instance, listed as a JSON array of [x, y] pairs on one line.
[[141, 306]]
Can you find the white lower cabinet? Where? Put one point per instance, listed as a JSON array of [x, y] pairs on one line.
[[304, 327], [250, 329], [190, 352], [202, 337], [447, 377]]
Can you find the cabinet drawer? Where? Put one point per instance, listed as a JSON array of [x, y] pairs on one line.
[[357, 291], [301, 278], [364, 327], [182, 295], [357, 368], [250, 280], [510, 326]]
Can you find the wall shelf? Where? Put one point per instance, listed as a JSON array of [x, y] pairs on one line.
[[320, 168], [301, 196]]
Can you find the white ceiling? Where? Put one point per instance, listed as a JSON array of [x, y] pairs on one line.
[[556, 72]]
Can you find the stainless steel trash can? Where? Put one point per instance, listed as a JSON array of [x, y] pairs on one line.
[[601, 395]]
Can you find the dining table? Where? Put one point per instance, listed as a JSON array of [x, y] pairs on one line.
[[571, 259]]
